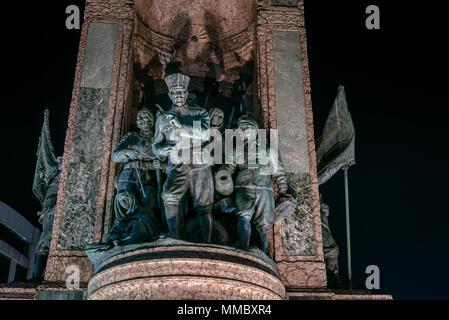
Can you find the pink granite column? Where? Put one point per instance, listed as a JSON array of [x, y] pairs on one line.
[[100, 95], [284, 93]]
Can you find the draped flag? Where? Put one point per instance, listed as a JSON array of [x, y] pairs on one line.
[[335, 146], [47, 164]]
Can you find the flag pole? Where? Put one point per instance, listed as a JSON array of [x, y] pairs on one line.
[[348, 232]]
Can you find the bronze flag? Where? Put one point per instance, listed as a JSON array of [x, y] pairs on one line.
[[47, 164], [335, 146]]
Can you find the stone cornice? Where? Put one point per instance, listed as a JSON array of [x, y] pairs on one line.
[[288, 18], [148, 43], [114, 9]]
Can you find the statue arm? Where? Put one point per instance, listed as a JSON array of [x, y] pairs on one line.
[[120, 154], [159, 139], [198, 132], [278, 172], [145, 154]]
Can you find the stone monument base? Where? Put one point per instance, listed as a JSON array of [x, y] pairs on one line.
[[329, 294], [18, 291], [170, 269]]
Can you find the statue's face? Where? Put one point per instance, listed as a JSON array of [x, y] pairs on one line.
[[145, 120], [217, 119], [248, 130], [178, 96]]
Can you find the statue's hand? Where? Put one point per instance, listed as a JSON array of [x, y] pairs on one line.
[[132, 154], [173, 121], [283, 190], [156, 164], [165, 151], [144, 155], [284, 194]]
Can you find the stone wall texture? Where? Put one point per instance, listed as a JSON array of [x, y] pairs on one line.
[[95, 123]]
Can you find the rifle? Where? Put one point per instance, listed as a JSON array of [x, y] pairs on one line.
[[231, 118], [142, 190], [207, 100], [158, 175], [159, 187], [161, 110]]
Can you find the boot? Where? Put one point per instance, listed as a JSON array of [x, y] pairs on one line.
[[263, 241], [172, 216], [173, 227], [244, 233]]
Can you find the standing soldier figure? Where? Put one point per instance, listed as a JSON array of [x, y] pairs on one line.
[[254, 193], [183, 176]]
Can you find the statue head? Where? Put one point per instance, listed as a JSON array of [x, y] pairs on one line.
[[177, 84], [216, 116], [145, 119], [248, 126], [245, 123]]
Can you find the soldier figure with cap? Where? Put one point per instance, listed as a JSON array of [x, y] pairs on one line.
[[254, 193], [192, 125]]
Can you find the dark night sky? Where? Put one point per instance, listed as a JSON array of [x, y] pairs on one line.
[[396, 85]]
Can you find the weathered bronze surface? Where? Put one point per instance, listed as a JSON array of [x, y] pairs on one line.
[[182, 177], [135, 204], [335, 150], [254, 193], [196, 205]]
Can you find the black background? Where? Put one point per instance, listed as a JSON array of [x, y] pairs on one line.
[[397, 89]]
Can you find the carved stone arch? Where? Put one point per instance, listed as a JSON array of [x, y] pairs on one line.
[[195, 34]]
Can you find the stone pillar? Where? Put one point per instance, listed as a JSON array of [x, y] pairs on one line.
[[284, 93], [100, 94]]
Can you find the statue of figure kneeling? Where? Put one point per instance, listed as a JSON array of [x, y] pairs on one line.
[[133, 222], [135, 203]]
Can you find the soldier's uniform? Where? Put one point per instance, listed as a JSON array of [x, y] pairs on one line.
[[137, 177], [254, 193], [135, 172], [182, 177]]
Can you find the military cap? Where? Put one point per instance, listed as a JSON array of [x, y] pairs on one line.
[[177, 80]]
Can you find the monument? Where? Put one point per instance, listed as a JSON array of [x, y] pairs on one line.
[[134, 223]]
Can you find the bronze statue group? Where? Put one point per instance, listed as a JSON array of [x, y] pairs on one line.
[[222, 203]]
